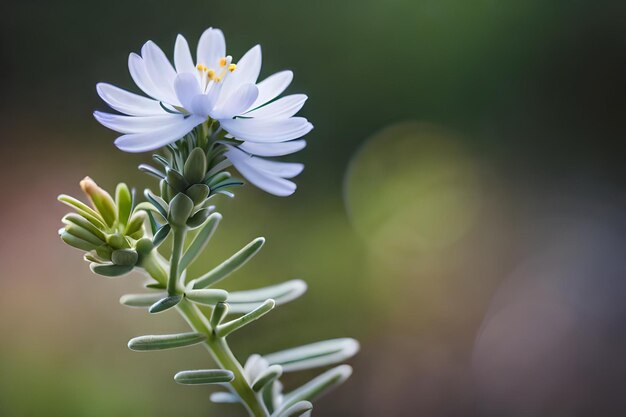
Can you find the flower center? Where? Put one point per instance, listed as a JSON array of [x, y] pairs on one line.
[[208, 75]]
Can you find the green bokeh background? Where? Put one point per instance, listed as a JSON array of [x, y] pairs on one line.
[[451, 140]]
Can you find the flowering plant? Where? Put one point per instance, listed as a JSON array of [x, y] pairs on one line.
[[202, 120]]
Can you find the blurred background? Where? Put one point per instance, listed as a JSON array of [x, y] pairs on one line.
[[462, 213]]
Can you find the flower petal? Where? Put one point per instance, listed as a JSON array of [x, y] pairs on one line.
[[272, 87], [140, 76], [127, 102], [237, 103], [273, 185], [273, 149], [148, 141], [187, 87], [182, 56], [281, 169], [211, 47], [136, 124], [247, 72], [268, 130], [160, 70], [282, 108]]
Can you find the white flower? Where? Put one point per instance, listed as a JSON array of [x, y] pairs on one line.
[[185, 95]]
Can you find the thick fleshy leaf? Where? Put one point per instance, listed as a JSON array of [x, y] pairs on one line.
[[83, 209], [141, 300], [267, 130], [230, 265], [224, 398], [246, 301], [234, 325], [207, 296], [317, 387], [200, 241], [110, 270], [164, 304], [77, 219], [124, 203], [266, 377], [128, 103], [165, 341], [161, 234], [204, 376], [315, 355]]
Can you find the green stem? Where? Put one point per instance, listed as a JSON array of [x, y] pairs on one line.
[[177, 252], [221, 353]]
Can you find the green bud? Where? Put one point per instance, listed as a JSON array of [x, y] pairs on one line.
[[117, 241], [136, 223], [124, 201], [124, 257], [181, 207], [175, 180], [102, 201], [144, 246], [198, 193], [195, 166], [199, 218]]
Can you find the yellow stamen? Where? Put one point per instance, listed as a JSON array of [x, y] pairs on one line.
[[232, 67], [201, 67], [211, 74], [223, 62]]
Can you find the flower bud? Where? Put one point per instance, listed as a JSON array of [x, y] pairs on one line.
[[180, 209], [195, 166], [102, 201]]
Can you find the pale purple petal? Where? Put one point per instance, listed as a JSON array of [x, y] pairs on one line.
[[187, 87], [247, 72], [211, 48], [282, 108], [277, 168], [127, 102], [160, 70], [273, 149], [272, 184], [272, 87], [269, 130], [136, 124], [182, 56], [148, 141], [237, 103], [137, 68]]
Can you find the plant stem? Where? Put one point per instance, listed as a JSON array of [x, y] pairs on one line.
[[177, 252], [221, 353]]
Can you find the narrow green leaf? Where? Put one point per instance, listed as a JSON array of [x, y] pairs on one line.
[[165, 341], [219, 177], [111, 270], [314, 355], [84, 223], [218, 314], [141, 300], [198, 218], [245, 301], [165, 304], [150, 170], [230, 265], [161, 234], [76, 242], [84, 210], [124, 203], [155, 286], [157, 202], [271, 374], [200, 241], [238, 323], [204, 376], [299, 409], [315, 388], [207, 297], [135, 223]]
